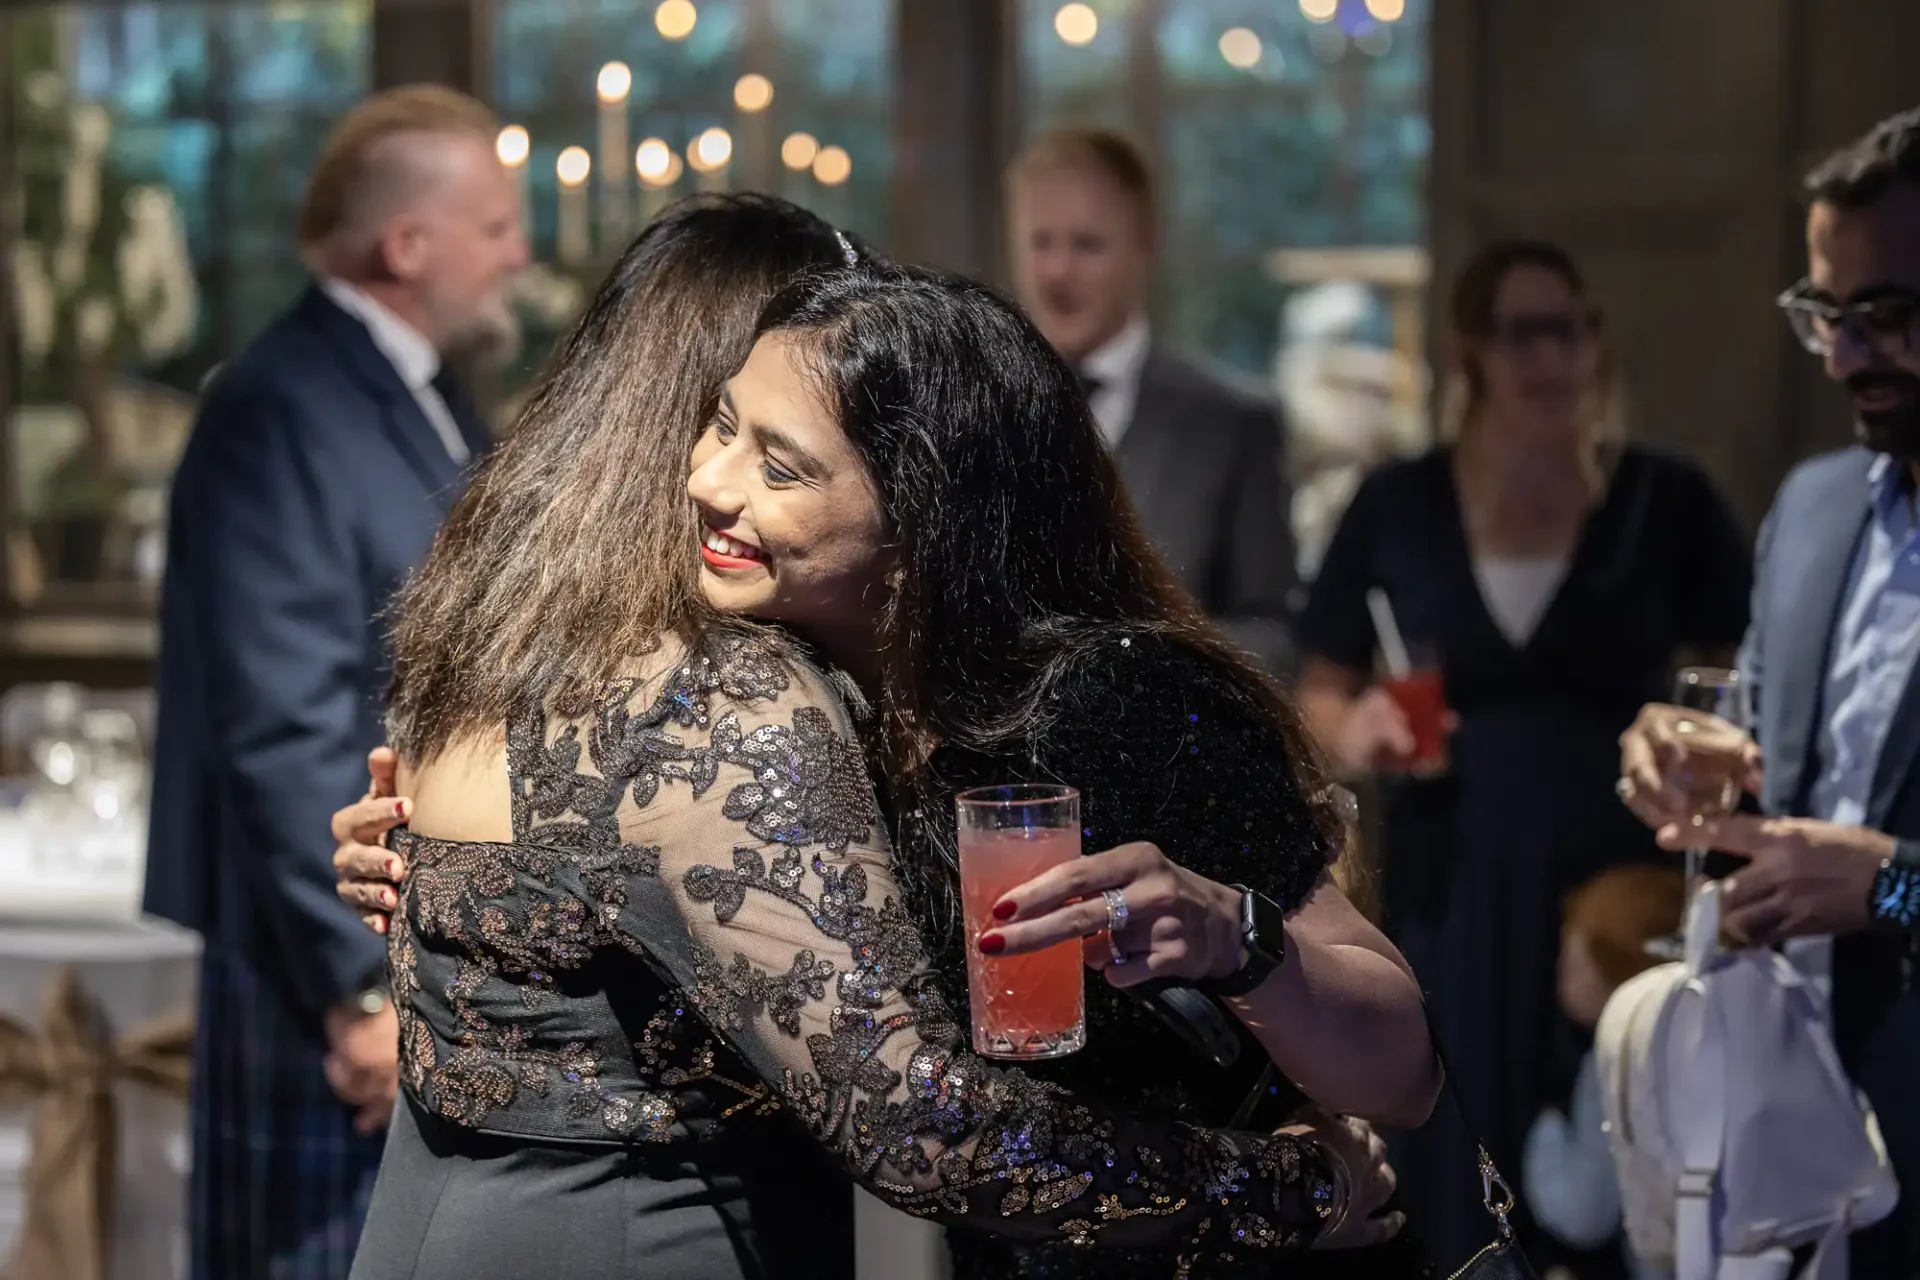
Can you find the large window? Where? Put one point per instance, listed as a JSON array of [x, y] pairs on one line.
[[1291, 141], [1275, 124], [155, 154], [626, 106]]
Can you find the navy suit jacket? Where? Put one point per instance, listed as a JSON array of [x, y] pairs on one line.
[[1203, 462], [1806, 550], [312, 484]]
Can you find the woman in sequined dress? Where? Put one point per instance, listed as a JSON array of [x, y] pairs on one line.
[[696, 811]]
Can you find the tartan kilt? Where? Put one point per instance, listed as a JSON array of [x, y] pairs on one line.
[[280, 1180]]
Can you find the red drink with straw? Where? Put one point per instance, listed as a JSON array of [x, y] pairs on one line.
[[1413, 682]]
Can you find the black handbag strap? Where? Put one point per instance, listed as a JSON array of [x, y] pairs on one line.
[[1496, 1193]]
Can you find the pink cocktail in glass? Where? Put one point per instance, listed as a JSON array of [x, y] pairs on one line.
[[1025, 1006]]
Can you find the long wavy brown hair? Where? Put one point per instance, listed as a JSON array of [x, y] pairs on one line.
[[573, 550], [1019, 551]]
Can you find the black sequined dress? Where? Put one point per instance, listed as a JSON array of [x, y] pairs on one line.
[[628, 1032], [1165, 747]]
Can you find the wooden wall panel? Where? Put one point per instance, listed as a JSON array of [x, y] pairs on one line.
[[1663, 143]]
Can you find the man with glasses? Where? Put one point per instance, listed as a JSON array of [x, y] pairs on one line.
[[1832, 867]]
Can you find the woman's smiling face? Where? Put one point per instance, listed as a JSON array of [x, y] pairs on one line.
[[791, 525]]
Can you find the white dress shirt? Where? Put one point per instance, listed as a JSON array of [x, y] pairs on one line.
[[412, 355], [1517, 591], [1115, 367]]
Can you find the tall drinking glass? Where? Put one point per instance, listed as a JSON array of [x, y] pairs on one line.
[[1422, 697], [1026, 1006], [1711, 776]]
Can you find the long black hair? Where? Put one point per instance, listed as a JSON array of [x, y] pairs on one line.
[[1018, 549], [548, 576]]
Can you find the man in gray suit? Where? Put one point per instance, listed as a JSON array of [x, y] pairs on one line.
[[1201, 458], [1832, 656]]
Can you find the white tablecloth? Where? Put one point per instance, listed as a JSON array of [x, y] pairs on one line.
[[135, 970], [65, 866]]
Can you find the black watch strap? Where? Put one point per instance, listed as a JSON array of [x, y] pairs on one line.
[[1263, 937]]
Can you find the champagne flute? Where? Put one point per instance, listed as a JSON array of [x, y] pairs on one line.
[[1712, 776]]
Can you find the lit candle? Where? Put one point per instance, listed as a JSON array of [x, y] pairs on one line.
[[832, 166], [572, 238], [710, 154], [796, 154], [752, 131], [513, 147], [612, 86], [658, 169]]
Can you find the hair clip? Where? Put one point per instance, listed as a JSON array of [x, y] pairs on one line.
[[846, 248]]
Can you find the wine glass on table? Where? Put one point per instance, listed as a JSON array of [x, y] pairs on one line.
[[1711, 767]]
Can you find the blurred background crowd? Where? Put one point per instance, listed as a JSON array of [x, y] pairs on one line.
[[1336, 246]]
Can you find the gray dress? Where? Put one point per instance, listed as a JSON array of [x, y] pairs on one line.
[[631, 1035]]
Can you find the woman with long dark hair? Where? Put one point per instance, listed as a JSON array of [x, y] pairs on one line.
[[1556, 573], [682, 913]]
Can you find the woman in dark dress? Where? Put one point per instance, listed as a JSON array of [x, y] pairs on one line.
[[1558, 576], [657, 932]]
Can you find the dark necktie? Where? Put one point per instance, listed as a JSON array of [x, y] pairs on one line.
[[473, 428]]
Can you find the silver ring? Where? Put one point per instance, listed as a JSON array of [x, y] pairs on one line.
[[1116, 921]]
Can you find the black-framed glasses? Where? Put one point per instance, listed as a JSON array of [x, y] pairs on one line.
[[1562, 328], [1884, 323]]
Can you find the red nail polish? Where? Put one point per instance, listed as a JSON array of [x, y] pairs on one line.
[[393, 869], [992, 944], [399, 808], [1004, 910]]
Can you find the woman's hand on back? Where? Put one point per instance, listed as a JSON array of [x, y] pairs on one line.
[[1364, 1175], [366, 871], [1178, 924]]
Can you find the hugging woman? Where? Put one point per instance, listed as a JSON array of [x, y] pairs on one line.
[[681, 700]]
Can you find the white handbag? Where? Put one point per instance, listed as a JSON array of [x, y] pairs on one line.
[[1734, 1129]]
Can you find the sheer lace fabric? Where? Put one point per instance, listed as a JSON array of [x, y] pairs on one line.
[[697, 919]]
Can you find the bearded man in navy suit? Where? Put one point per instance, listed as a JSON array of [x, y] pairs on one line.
[[322, 461]]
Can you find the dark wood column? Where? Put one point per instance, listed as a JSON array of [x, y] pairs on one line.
[[955, 122], [436, 41], [1663, 144]]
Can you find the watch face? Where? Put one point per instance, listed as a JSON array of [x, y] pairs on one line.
[[1896, 895], [1268, 934]]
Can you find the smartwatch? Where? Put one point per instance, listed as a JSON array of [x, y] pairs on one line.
[[1894, 903], [373, 998], [1263, 945]]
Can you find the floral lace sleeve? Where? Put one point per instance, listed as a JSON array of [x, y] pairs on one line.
[[751, 866]]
